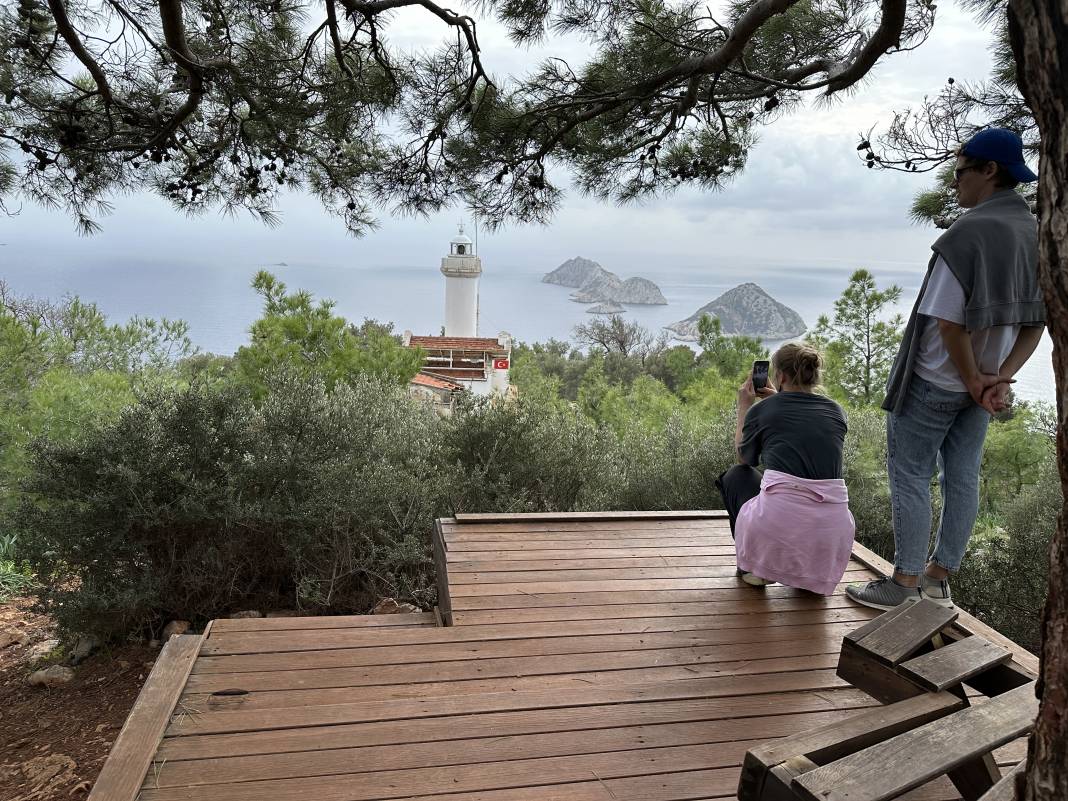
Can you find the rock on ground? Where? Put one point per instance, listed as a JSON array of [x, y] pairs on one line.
[[41, 650], [51, 676], [391, 606]]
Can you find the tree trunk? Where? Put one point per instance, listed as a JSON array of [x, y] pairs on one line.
[[1039, 30]]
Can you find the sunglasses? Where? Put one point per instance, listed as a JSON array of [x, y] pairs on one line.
[[957, 173]]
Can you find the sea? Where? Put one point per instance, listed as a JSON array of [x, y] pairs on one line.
[[219, 305]]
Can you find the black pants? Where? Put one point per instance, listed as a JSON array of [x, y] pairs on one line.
[[739, 484]]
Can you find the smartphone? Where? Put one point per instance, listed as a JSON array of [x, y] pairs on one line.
[[760, 374]]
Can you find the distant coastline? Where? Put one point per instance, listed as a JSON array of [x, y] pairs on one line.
[[216, 301]]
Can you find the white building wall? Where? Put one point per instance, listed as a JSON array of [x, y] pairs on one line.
[[461, 306]]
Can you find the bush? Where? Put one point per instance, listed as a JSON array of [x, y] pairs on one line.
[[14, 579], [528, 455], [196, 502], [865, 475], [675, 466], [1005, 575]]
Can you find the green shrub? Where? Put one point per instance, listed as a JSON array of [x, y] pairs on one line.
[[674, 466], [197, 502], [14, 579], [865, 475], [528, 455], [1005, 575]]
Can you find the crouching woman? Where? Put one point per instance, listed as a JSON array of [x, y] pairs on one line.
[[792, 525]]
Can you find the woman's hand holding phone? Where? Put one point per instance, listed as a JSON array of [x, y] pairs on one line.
[[747, 396]]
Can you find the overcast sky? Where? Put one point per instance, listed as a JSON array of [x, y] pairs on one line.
[[805, 197]]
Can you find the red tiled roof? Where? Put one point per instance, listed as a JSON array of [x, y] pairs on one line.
[[478, 344], [424, 380]]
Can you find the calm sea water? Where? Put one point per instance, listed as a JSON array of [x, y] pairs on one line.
[[219, 305]]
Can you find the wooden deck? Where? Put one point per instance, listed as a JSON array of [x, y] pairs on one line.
[[585, 657]]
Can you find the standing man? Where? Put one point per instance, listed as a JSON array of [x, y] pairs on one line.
[[977, 320]]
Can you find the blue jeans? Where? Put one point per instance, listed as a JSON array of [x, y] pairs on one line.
[[935, 430]]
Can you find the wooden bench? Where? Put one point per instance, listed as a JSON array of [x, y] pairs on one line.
[[914, 663]]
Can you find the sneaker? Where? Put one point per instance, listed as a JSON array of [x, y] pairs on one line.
[[937, 591], [752, 579], [755, 580], [884, 593]]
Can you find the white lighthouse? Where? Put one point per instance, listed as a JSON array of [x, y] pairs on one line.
[[461, 269]]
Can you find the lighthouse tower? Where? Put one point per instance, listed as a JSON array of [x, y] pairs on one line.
[[461, 269]]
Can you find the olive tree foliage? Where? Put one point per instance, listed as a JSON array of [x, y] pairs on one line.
[[224, 103], [616, 335]]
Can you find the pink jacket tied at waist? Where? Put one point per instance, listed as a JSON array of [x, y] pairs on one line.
[[797, 531]]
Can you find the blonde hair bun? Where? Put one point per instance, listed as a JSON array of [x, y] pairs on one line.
[[801, 364]]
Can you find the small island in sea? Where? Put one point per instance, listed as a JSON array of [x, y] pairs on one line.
[[594, 284], [607, 307], [747, 309]]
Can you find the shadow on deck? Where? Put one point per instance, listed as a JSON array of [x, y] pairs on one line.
[[585, 657]]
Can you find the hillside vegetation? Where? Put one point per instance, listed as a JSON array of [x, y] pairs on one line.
[[141, 481]]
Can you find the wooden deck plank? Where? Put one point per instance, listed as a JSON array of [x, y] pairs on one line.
[[718, 686], [475, 777], [755, 603], [175, 772], [499, 724], [132, 753], [413, 620], [658, 787], [716, 657], [449, 528], [609, 563], [521, 555], [328, 639], [533, 517], [457, 566], [717, 537], [473, 750], [459, 592], [410, 709], [592, 574], [446, 652], [532, 599], [587, 542], [576, 779]]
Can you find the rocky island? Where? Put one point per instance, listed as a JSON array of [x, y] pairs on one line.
[[608, 307], [594, 284], [746, 309]]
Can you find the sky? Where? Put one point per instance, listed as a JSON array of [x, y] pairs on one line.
[[804, 199]]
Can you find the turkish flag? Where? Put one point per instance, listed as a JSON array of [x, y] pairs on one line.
[[500, 364]]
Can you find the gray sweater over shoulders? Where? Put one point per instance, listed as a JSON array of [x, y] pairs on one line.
[[992, 251]]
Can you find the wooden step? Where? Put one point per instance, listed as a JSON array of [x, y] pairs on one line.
[[891, 768], [902, 630], [945, 667], [839, 739]]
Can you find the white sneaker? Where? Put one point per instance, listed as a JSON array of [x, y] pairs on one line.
[[756, 581]]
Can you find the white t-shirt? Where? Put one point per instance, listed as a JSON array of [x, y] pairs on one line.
[[944, 299]]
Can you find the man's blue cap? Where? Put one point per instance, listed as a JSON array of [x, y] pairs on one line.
[[1003, 146]]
